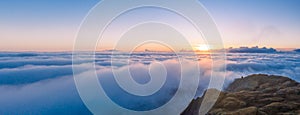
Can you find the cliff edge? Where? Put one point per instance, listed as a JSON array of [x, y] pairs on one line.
[[257, 94]]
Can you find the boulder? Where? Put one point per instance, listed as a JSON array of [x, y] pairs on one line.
[[257, 94]]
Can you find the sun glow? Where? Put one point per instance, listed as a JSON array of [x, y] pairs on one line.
[[202, 47]]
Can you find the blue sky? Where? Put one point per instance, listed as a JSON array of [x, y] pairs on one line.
[[41, 24], [273, 23], [51, 25]]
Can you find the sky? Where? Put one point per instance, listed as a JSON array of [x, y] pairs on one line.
[[47, 25]]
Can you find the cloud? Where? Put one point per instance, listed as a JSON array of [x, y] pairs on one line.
[[10, 54], [42, 83], [48, 97], [284, 64], [32, 74], [23, 62]]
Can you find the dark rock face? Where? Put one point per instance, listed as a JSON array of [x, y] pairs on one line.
[[255, 95]]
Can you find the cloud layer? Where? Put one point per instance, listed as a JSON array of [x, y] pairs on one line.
[[42, 83]]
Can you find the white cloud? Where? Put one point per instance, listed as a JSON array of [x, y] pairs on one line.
[[42, 83]]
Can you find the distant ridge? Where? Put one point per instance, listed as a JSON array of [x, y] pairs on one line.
[[255, 49], [297, 50]]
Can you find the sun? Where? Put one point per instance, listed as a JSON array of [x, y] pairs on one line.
[[202, 47]]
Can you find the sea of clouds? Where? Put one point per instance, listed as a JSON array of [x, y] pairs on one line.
[[42, 83]]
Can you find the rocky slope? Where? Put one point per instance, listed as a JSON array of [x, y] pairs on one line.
[[255, 95]]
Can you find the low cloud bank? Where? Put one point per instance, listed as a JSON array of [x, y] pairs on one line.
[[40, 84]]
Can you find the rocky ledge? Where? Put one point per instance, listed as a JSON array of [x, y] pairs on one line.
[[257, 94]]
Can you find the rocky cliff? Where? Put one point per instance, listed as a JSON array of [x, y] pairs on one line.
[[255, 95]]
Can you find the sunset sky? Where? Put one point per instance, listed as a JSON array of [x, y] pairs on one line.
[[47, 25]]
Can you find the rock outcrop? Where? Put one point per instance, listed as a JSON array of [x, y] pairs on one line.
[[255, 95]]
